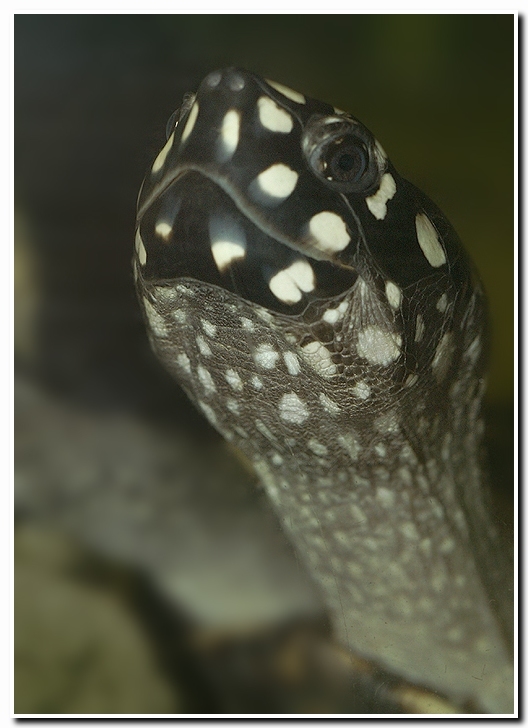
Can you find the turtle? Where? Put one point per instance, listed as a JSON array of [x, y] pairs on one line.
[[322, 314]]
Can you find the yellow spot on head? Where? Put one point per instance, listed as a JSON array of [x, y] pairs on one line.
[[189, 126], [288, 92], [162, 156], [428, 241]]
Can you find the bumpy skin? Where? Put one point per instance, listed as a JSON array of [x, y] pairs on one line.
[[328, 323]]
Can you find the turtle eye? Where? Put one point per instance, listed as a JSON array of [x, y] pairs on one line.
[[344, 160], [339, 152]]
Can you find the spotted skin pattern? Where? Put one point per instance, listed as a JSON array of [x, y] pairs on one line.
[[322, 314]]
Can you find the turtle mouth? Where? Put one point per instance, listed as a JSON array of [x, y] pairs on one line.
[[199, 227]]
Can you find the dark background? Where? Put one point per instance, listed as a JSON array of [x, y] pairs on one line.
[[92, 97], [93, 94]]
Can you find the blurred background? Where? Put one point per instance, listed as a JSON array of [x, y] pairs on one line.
[[132, 595]]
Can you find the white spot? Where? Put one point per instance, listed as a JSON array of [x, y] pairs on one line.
[[184, 290], [385, 497], [228, 242], [428, 240], [292, 362], [320, 359], [166, 294], [361, 390], [441, 304], [278, 181], [189, 126], [387, 424], [272, 117], [442, 357], [420, 328], [206, 380], [288, 283], [263, 314], [163, 229], [447, 545], [473, 350], [455, 634], [256, 382], [357, 514], [410, 531], [208, 412], [317, 447], [378, 346], [377, 203], [184, 363], [329, 232], [203, 346], [411, 379], [266, 356], [225, 253], [333, 315], [162, 156], [229, 135], [393, 294], [209, 328], [179, 315], [140, 249], [233, 406], [349, 443], [329, 405], [247, 324], [293, 409], [277, 459], [426, 546], [288, 92], [234, 380], [156, 321]]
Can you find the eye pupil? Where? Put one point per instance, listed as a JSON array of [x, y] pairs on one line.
[[345, 162]]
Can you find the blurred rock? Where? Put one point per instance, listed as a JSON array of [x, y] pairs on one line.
[[192, 520], [78, 649]]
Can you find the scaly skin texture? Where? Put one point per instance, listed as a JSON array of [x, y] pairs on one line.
[[361, 414]]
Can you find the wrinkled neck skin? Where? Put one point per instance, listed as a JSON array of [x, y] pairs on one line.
[[371, 459]]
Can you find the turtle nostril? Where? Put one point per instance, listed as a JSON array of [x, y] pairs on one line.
[[235, 81], [230, 77], [213, 79]]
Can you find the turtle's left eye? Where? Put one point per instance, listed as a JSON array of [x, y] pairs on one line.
[[344, 160], [339, 152]]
